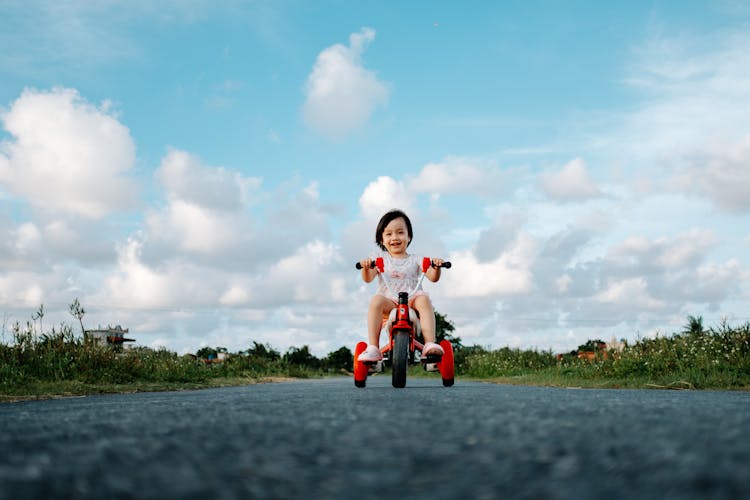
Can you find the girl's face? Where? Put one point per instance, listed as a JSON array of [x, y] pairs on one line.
[[396, 237]]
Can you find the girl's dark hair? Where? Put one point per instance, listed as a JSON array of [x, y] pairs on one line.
[[387, 219]]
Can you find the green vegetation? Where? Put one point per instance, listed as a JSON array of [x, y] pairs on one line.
[[696, 358], [60, 362]]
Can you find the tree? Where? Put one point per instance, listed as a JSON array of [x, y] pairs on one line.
[[263, 351], [39, 315], [694, 326], [301, 356], [77, 311], [592, 346], [340, 359]]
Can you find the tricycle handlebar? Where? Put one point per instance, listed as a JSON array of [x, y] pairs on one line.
[[445, 264]]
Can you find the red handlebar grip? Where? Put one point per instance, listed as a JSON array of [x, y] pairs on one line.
[[380, 264]]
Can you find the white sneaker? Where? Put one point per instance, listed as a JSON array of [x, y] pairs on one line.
[[431, 348], [370, 355]]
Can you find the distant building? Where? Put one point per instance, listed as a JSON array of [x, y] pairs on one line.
[[114, 337], [219, 357], [617, 345]]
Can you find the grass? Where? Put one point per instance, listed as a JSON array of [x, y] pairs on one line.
[[697, 358], [60, 363], [40, 389]]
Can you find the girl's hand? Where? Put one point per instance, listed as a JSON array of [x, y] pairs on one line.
[[433, 273], [368, 273]]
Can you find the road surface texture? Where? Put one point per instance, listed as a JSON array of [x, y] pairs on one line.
[[328, 439]]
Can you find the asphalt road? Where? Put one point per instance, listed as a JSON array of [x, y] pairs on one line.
[[327, 439]]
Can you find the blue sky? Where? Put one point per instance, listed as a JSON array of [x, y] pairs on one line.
[[206, 173]]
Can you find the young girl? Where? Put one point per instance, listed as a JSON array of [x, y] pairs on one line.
[[393, 235]]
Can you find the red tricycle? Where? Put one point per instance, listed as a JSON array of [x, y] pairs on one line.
[[403, 328]]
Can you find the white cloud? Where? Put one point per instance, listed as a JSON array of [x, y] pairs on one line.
[[43, 245], [205, 214], [494, 240], [84, 241], [174, 284], [311, 274], [203, 248], [562, 283], [67, 155], [194, 228], [21, 247], [640, 278], [709, 283], [185, 177], [678, 252], [571, 183], [28, 240], [384, 194], [629, 294], [508, 274], [688, 132], [235, 295], [340, 93], [721, 174], [135, 284], [463, 176], [21, 289], [216, 218], [693, 85]]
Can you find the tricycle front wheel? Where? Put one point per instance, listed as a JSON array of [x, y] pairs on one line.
[[400, 356]]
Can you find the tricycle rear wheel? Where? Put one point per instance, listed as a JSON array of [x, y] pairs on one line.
[[447, 364], [360, 369]]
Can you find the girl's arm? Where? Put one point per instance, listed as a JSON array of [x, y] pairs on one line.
[[433, 273], [368, 273]]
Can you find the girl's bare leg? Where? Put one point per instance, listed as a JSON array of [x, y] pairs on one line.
[[423, 306], [379, 306]]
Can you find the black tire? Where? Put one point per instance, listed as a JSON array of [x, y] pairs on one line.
[[359, 383], [400, 354]]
